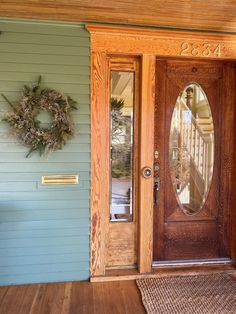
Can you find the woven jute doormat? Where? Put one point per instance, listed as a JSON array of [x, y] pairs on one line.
[[201, 294]]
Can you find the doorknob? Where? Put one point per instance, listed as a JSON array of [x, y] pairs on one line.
[[147, 172]]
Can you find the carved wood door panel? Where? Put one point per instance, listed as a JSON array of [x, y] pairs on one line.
[[191, 190]]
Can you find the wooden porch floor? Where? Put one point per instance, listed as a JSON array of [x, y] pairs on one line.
[[121, 297]]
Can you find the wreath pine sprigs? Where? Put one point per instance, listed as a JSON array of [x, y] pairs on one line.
[[26, 128]]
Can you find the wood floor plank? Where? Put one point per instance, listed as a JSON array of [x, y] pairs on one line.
[[82, 298], [53, 299], [99, 298], [31, 291], [114, 301], [38, 299], [67, 298], [58, 301], [3, 291], [13, 299], [132, 298]]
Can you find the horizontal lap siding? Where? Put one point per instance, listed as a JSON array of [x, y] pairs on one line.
[[44, 231]]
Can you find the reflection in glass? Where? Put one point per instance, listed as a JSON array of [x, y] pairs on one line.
[[191, 148], [121, 140]]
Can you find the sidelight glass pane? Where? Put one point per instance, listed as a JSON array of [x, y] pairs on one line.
[[121, 145], [191, 148]]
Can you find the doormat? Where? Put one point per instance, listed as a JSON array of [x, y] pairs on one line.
[[201, 294]]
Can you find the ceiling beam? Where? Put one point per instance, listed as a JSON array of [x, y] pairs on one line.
[[208, 15]]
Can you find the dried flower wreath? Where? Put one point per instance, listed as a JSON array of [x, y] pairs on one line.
[[26, 128]]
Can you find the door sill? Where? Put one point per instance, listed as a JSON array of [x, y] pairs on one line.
[[175, 269], [199, 262]]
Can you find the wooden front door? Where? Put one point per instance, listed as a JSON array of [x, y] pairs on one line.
[[192, 154]]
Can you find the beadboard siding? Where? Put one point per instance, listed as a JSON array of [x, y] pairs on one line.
[[44, 230]]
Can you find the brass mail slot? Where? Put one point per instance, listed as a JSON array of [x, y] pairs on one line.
[[60, 179]]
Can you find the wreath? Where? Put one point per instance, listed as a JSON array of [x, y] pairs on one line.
[[25, 126]]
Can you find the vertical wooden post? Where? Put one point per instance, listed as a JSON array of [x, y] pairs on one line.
[[99, 163], [146, 159]]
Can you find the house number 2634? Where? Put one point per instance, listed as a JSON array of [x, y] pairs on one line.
[[201, 50]]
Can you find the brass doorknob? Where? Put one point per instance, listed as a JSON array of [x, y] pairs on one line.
[[147, 172]]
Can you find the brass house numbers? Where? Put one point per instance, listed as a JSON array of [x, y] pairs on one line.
[[200, 49]]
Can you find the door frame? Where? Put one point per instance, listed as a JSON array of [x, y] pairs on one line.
[[146, 44]]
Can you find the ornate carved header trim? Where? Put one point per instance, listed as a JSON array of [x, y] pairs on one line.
[[141, 41]]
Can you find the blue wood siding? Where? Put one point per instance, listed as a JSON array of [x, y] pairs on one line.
[[44, 231]]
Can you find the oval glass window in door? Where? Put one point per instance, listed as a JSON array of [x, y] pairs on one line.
[[191, 148]]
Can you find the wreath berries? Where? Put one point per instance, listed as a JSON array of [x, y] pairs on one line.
[[25, 126]]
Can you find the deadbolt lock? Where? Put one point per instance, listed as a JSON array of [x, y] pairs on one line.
[[147, 172]]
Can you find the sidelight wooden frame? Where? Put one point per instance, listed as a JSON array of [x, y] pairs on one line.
[[121, 236], [146, 44]]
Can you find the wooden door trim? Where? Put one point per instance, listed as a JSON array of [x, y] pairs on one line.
[[99, 198], [147, 44]]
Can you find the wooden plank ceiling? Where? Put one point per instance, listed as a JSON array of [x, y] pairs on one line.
[[211, 15]]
